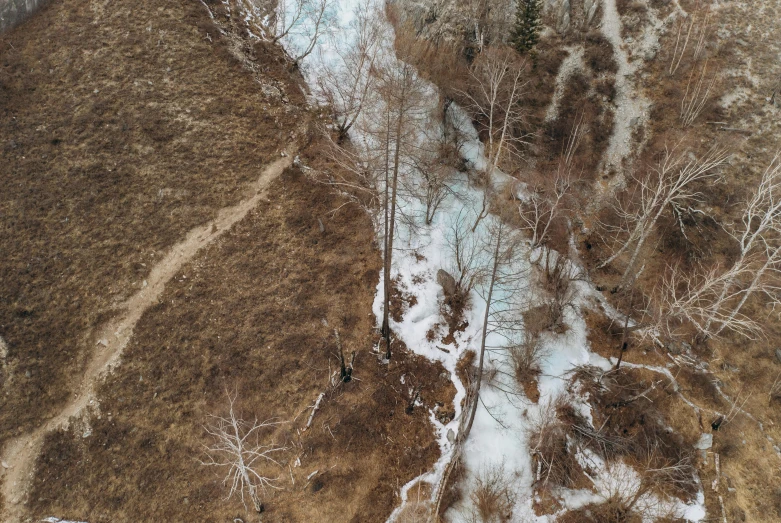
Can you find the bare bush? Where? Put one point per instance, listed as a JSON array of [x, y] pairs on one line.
[[548, 436], [527, 356], [559, 275], [414, 512], [417, 510], [642, 492], [493, 497], [236, 447], [638, 493]]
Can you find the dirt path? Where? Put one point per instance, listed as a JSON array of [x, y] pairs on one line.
[[19, 455], [631, 106]]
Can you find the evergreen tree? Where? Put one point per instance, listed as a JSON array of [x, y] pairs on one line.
[[527, 26]]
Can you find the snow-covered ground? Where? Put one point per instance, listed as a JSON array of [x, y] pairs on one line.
[[499, 435]]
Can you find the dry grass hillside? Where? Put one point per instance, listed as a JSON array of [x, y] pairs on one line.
[[124, 126], [254, 313], [122, 129]]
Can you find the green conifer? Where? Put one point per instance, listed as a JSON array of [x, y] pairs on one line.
[[527, 26]]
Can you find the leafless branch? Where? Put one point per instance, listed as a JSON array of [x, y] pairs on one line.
[[236, 448]]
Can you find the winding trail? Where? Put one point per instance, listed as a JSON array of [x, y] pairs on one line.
[[20, 454]]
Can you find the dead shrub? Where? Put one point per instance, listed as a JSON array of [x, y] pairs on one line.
[[635, 422], [611, 511], [456, 303], [526, 357], [559, 273], [599, 53], [493, 497], [551, 436], [414, 513]]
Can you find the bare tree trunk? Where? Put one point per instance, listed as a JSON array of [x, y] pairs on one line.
[[638, 247], [624, 343], [392, 222], [479, 378], [385, 330]]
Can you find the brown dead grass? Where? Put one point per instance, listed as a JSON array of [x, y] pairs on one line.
[[120, 130], [113, 158], [249, 314]]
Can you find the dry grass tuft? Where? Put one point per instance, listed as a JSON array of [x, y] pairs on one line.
[[493, 497], [526, 357]]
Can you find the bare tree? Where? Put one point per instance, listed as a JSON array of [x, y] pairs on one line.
[[699, 297], [347, 80], [671, 184], [500, 242], [236, 448], [497, 83], [489, 20], [403, 94], [432, 174], [539, 211], [547, 202], [713, 299], [316, 16], [289, 14], [356, 173], [759, 236], [500, 245]]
